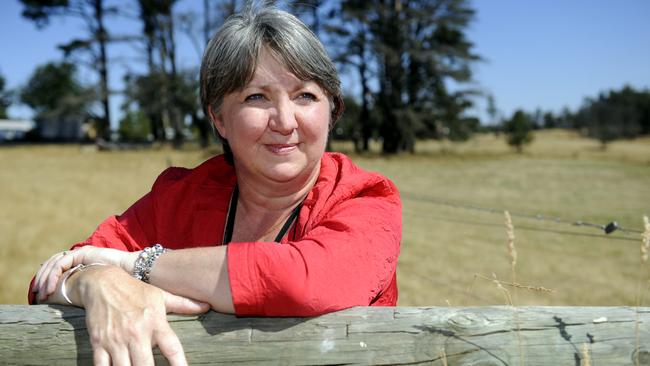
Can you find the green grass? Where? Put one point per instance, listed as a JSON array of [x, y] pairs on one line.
[[56, 195]]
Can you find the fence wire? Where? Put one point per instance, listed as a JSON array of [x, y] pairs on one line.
[[606, 228]]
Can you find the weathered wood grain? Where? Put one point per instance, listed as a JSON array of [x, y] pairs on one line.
[[56, 335]]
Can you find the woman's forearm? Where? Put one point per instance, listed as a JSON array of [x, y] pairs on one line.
[[197, 273], [68, 291]]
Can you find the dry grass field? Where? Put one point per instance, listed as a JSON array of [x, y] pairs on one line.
[[52, 196]]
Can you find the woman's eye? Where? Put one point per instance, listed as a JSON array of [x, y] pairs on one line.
[[307, 96], [254, 97]]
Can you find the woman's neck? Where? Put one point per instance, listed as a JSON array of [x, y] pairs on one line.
[[262, 207]]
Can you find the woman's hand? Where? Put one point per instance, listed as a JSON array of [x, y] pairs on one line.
[[126, 317], [47, 278]]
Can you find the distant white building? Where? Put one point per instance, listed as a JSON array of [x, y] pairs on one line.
[[14, 129]]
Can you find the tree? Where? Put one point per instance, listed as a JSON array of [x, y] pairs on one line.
[[134, 127], [214, 14], [56, 96], [143, 93], [616, 115], [157, 18], [417, 45], [347, 128], [223, 9], [189, 104], [519, 130], [351, 46], [167, 95], [311, 10], [550, 120], [492, 110], [566, 119], [92, 13], [5, 98], [537, 117]]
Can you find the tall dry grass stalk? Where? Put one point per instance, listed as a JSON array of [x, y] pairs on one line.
[[515, 284], [443, 356], [641, 291], [645, 239], [505, 291], [645, 248], [509, 301], [586, 359], [512, 251]]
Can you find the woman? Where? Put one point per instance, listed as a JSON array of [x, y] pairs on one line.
[[308, 231]]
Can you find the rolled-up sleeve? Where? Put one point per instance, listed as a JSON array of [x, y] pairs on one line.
[[347, 259]]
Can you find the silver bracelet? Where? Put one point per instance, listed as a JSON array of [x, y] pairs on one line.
[[145, 261], [78, 267]]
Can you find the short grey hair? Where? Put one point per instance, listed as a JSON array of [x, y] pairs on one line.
[[230, 59]]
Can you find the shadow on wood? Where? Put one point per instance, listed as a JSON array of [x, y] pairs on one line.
[[501, 335]]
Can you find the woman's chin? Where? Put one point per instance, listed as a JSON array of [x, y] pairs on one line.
[[284, 174], [288, 171]]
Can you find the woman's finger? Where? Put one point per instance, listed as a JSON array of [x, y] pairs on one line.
[[101, 357], [50, 272], [61, 265], [90, 254], [170, 346], [44, 274], [37, 278], [182, 305], [120, 356], [107, 344], [38, 281], [141, 353]]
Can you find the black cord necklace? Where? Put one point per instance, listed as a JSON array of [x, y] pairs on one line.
[[232, 212]]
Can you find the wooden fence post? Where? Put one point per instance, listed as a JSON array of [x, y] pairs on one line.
[[500, 335]]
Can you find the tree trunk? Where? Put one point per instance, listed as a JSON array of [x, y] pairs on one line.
[[204, 129], [365, 122], [103, 130], [206, 22], [175, 115], [393, 126]]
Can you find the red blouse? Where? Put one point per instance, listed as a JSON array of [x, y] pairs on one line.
[[341, 252]]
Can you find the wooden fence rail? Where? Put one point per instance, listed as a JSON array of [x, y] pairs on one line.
[[501, 335]]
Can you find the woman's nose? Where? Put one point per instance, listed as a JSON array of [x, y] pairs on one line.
[[283, 120]]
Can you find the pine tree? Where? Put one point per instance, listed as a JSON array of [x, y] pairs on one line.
[[417, 45], [519, 130], [94, 45]]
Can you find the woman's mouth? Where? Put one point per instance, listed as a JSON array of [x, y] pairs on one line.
[[281, 148]]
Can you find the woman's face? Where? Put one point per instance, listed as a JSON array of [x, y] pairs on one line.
[[277, 125]]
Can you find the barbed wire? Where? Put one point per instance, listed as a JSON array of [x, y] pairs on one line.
[[420, 215], [607, 228]]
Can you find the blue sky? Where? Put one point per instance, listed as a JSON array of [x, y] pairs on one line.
[[538, 53], [554, 53]]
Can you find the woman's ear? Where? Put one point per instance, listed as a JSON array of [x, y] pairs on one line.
[[217, 122]]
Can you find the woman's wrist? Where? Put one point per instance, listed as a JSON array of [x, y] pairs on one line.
[[76, 284], [128, 261], [66, 277], [145, 261], [87, 284]]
